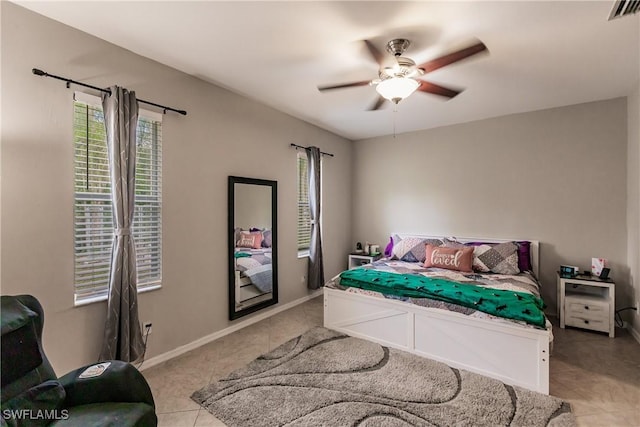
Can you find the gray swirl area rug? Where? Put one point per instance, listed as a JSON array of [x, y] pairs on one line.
[[326, 378]]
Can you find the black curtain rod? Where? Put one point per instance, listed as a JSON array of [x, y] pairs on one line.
[[39, 72], [304, 148]]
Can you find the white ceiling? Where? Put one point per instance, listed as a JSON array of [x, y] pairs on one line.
[[542, 54]]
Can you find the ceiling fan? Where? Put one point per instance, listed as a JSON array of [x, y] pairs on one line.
[[396, 82]]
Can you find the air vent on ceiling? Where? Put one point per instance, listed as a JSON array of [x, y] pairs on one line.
[[624, 7]]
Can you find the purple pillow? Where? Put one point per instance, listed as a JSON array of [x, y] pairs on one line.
[[524, 253], [266, 243], [389, 249]]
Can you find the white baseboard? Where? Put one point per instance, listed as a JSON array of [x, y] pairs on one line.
[[156, 360]]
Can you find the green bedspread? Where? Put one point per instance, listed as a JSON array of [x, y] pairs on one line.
[[502, 303]]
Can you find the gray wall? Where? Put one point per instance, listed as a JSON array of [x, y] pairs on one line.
[[633, 203], [224, 134], [252, 206], [557, 176]]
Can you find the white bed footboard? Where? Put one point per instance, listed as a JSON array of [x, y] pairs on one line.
[[510, 353]]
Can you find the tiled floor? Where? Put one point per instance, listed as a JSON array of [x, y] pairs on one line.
[[599, 376]]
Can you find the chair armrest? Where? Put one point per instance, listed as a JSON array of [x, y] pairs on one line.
[[120, 382]]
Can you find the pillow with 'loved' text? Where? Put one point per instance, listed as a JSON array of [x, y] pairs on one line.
[[459, 259]]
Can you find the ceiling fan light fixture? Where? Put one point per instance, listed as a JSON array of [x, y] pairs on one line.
[[396, 89]]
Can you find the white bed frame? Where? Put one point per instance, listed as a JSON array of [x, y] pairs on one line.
[[245, 290], [508, 352]]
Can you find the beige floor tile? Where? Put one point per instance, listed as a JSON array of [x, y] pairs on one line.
[[598, 375], [169, 403], [292, 323], [225, 366], [254, 338], [178, 419], [611, 395], [173, 401], [205, 419], [632, 417], [604, 419], [580, 404], [173, 382]]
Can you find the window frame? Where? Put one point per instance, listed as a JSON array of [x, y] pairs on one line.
[[302, 155], [153, 202], [302, 182]]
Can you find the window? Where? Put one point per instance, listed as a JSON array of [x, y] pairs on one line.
[[93, 221], [304, 216]]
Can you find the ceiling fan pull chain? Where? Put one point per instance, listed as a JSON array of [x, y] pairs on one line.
[[395, 112]]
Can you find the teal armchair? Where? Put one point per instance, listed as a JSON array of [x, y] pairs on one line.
[[112, 393]]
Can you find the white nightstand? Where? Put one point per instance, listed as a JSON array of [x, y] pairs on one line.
[[357, 260], [587, 302]]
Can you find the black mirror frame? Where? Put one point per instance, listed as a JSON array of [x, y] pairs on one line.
[[233, 314]]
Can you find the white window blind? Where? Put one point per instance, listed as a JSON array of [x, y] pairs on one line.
[[93, 217], [304, 216]]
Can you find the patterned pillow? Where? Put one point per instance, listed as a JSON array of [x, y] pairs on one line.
[[524, 253], [250, 240], [459, 259], [411, 249], [501, 258]]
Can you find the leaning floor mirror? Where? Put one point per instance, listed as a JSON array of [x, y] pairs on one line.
[[253, 247]]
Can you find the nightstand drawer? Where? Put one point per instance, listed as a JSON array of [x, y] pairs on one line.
[[587, 309], [597, 324]]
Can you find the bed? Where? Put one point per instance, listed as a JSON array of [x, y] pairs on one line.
[[512, 351], [253, 267]]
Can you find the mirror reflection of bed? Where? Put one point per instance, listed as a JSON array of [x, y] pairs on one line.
[[253, 245], [253, 273]]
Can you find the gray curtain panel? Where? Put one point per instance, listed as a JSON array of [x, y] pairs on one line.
[[316, 268], [122, 336]]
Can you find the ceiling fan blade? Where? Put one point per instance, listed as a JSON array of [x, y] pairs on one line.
[[377, 104], [375, 53], [450, 58], [344, 85], [437, 90]]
